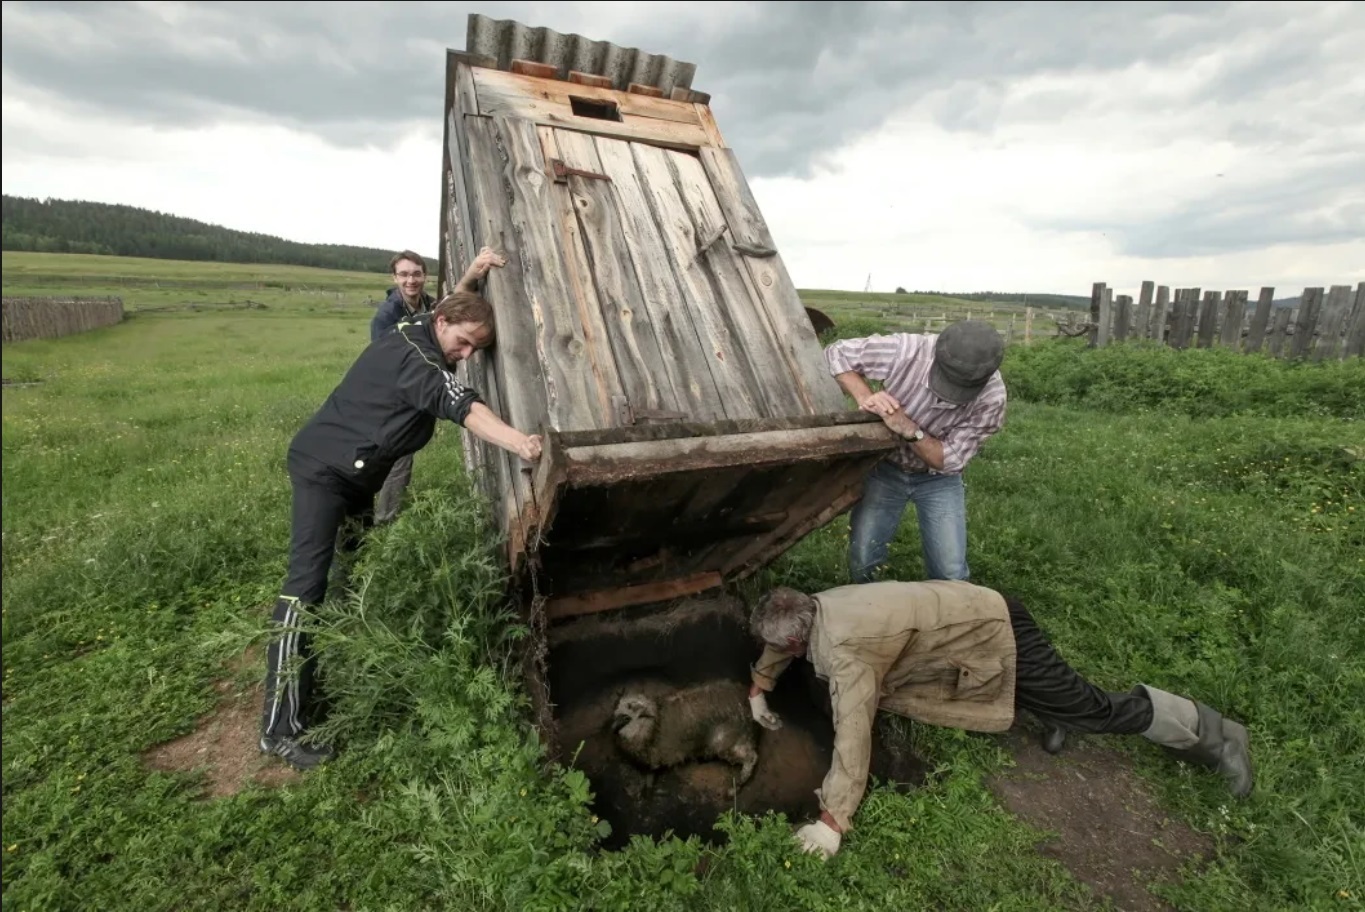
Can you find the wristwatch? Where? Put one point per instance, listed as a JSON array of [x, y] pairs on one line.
[[917, 436]]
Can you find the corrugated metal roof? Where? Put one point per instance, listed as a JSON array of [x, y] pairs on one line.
[[506, 40]]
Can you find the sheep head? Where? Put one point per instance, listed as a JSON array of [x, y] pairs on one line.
[[634, 718]]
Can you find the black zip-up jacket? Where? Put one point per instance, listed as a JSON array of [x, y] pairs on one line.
[[386, 406]]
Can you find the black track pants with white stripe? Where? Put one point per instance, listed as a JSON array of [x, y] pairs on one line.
[[328, 515], [1052, 690]]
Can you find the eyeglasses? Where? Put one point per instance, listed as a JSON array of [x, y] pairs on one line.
[[410, 275]]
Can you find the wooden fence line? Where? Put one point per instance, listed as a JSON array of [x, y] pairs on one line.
[[1017, 326], [49, 318], [1328, 325]]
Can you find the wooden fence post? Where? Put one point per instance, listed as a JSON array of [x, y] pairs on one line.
[[1208, 318], [1234, 315], [1259, 321], [1123, 307], [1157, 329], [1096, 293], [1280, 331], [1106, 317], [1355, 334], [1334, 315], [1309, 307], [1143, 318], [1028, 325], [1186, 312]]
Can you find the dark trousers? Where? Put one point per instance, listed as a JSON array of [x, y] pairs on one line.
[[329, 516], [1054, 692]]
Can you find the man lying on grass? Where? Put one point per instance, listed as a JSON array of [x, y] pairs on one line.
[[385, 408], [957, 654]]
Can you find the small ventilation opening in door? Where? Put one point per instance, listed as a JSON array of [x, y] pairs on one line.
[[591, 107]]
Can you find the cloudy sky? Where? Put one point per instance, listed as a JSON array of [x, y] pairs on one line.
[[955, 146]]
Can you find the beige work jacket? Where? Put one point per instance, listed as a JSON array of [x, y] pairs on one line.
[[940, 652]]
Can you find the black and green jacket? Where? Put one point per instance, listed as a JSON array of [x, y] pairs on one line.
[[386, 406]]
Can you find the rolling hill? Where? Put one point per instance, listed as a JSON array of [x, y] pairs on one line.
[[78, 226]]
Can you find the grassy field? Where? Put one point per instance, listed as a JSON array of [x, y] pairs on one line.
[[148, 284], [1192, 519]]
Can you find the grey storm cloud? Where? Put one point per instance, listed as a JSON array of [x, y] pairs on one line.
[[790, 82]]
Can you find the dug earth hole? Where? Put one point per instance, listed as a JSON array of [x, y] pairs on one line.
[[1103, 824], [593, 659]]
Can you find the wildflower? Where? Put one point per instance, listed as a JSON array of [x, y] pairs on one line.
[[788, 864]]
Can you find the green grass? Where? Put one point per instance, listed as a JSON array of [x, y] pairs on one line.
[[1217, 551], [146, 284]]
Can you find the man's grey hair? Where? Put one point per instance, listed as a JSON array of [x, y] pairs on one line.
[[782, 613]]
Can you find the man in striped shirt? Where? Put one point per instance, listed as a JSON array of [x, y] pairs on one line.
[[944, 394]]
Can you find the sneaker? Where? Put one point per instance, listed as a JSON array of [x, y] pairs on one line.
[[299, 756]]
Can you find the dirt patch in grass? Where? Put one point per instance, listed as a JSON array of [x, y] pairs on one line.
[[224, 746], [1110, 832]]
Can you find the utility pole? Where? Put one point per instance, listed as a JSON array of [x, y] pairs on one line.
[[868, 287]]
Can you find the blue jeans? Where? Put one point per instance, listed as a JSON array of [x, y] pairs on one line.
[[941, 506]]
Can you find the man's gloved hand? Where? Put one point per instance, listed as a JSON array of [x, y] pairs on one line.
[[819, 837], [758, 708]]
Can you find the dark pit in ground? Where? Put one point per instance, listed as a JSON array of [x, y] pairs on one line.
[[687, 642]]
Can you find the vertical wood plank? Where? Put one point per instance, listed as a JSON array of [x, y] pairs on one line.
[[721, 270], [490, 466], [1208, 318], [1028, 326], [518, 367], [1355, 332], [1260, 320], [577, 392], [1234, 314], [689, 362], [1142, 320], [1105, 317], [1280, 331], [771, 284], [642, 365], [1334, 315], [578, 273], [1123, 309], [1307, 323], [733, 372], [1096, 294], [1158, 329], [1177, 319]]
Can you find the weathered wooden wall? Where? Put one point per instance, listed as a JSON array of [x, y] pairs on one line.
[[1327, 323], [48, 318], [641, 284]]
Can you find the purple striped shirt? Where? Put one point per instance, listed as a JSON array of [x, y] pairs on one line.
[[901, 361]]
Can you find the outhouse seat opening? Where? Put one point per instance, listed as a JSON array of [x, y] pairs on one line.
[[669, 648]]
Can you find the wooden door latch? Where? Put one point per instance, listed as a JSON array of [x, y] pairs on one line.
[[562, 171]]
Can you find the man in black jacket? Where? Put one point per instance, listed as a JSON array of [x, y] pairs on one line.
[[406, 299], [385, 408]]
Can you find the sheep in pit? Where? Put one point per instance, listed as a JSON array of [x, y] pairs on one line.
[[696, 723]]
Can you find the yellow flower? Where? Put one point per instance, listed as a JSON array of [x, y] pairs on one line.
[[786, 864], [13, 847]]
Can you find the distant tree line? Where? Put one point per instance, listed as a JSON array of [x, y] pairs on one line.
[[77, 226]]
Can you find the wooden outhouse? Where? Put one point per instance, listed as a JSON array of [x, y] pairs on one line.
[[646, 326]]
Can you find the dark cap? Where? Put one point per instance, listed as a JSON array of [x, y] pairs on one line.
[[966, 354]]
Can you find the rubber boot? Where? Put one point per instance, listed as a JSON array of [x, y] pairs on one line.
[[1199, 734], [1054, 738]]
